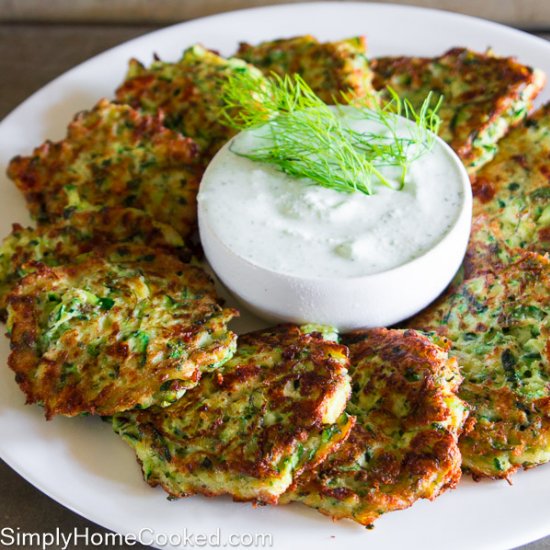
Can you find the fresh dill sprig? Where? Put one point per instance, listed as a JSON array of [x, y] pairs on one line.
[[305, 138], [250, 102], [390, 148]]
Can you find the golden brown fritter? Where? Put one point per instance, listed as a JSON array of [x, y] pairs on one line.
[[188, 93], [248, 429], [499, 329], [100, 336], [113, 156], [513, 190], [511, 200], [330, 68], [404, 445], [484, 95], [80, 232]]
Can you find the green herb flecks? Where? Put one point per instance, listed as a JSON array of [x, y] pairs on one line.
[[305, 138], [106, 303]]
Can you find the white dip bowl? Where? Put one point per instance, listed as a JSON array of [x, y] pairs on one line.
[[343, 300]]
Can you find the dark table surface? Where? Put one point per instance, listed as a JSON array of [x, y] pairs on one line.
[[31, 56]]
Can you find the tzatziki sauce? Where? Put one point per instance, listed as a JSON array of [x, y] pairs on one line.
[[298, 228]]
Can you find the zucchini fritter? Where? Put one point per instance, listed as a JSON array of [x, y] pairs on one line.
[[513, 190], [484, 95], [101, 336], [78, 233], [404, 445], [188, 93], [499, 329], [113, 156], [511, 200], [330, 68], [248, 429], [487, 250]]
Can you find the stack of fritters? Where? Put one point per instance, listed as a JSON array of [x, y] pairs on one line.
[[332, 69], [496, 311], [268, 424], [105, 313], [404, 445], [248, 429], [77, 233], [484, 95]]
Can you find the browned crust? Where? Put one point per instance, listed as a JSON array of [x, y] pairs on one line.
[[512, 430], [103, 176], [293, 376], [372, 472], [80, 233], [330, 68], [485, 84], [41, 375]]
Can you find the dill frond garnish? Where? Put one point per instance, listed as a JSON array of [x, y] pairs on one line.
[[303, 137]]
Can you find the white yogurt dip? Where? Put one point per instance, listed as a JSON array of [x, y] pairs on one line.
[[298, 228]]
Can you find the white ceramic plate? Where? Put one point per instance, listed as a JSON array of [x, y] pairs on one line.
[[83, 465]]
